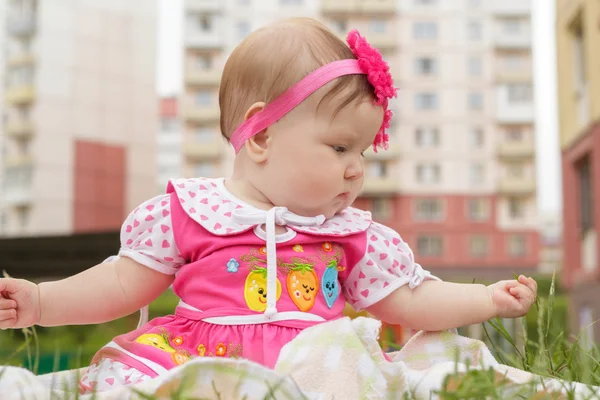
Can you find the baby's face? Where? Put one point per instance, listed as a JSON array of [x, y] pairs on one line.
[[315, 162]]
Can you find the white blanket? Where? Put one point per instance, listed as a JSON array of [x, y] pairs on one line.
[[339, 359]]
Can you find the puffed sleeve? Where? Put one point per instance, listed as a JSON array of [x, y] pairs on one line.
[[387, 264], [147, 236]]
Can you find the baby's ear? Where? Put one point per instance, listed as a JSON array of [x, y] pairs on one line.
[[256, 147]]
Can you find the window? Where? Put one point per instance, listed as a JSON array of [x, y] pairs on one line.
[[428, 210], [519, 93], [517, 246], [511, 25], [203, 98], [204, 170], [478, 209], [585, 195], [428, 173], [476, 137], [204, 135], [474, 66], [516, 208], [427, 137], [378, 169], [203, 61], [475, 101], [169, 124], [515, 170], [425, 30], [430, 246], [340, 25], [476, 174], [581, 80], [474, 31], [426, 66], [478, 246], [514, 135], [381, 208], [205, 23], [377, 26], [243, 29], [514, 62], [23, 217], [426, 101]]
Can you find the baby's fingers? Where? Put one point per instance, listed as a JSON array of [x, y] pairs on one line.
[[6, 304], [8, 318], [522, 292]]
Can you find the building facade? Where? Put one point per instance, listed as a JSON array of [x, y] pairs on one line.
[[578, 38], [80, 115], [169, 155]]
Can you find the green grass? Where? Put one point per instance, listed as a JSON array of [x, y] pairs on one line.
[[541, 347]]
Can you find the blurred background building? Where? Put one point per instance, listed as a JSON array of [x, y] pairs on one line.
[[578, 36], [80, 115]]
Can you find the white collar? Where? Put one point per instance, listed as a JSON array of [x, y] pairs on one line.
[[209, 203]]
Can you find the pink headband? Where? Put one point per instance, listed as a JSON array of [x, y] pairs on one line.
[[368, 62]]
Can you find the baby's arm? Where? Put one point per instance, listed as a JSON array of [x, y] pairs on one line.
[[436, 305], [102, 293]]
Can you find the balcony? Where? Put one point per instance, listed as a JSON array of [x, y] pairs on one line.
[[18, 160], [524, 149], [386, 40], [512, 41], [198, 77], [20, 94], [17, 195], [202, 114], [378, 186], [517, 186], [20, 60], [203, 151], [211, 6], [18, 129], [513, 109], [514, 76], [196, 38], [362, 7], [21, 24], [510, 8]]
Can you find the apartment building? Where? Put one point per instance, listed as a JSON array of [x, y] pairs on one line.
[[169, 143], [578, 38], [2, 67], [462, 189], [212, 30], [80, 115]]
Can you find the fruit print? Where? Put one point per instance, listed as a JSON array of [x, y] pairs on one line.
[[181, 357], [302, 285], [255, 289], [329, 283], [158, 341]]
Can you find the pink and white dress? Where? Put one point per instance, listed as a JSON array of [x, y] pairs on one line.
[[244, 290]]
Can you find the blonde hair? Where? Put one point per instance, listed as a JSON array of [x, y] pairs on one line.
[[273, 58]]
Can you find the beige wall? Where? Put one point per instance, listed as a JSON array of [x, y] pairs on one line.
[[569, 13]]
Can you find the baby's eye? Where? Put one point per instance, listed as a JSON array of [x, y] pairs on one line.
[[339, 149]]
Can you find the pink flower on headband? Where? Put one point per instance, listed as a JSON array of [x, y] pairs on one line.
[[379, 76]]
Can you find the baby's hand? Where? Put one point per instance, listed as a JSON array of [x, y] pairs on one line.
[[513, 298], [19, 303]]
